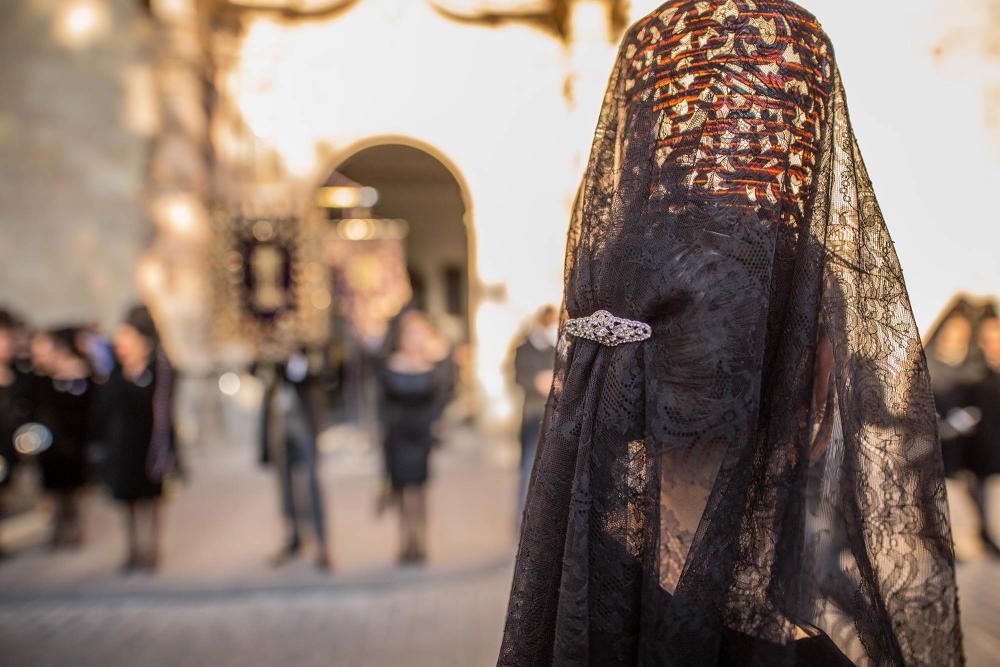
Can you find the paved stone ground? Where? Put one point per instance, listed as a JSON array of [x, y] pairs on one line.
[[436, 621], [216, 602]]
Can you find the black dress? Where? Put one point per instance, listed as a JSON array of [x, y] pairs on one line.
[[410, 404], [15, 410], [65, 408], [706, 493], [955, 389], [8, 455], [984, 451], [128, 411]]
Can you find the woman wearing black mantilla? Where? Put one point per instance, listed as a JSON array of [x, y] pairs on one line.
[[739, 462]]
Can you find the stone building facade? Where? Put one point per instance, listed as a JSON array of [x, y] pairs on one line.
[[76, 117]]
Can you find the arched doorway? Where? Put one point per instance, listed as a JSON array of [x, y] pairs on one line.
[[417, 187], [372, 260]]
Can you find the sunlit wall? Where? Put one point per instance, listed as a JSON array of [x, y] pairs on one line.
[[490, 103], [75, 122]]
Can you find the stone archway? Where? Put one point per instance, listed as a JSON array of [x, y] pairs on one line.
[[417, 185]]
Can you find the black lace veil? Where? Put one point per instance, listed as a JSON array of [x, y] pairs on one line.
[[759, 483]]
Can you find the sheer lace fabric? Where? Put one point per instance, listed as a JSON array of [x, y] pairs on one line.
[[759, 483]]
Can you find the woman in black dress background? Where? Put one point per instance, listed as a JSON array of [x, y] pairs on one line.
[[984, 453], [137, 412], [63, 403], [954, 375], [416, 383], [959, 353], [8, 382], [14, 398]]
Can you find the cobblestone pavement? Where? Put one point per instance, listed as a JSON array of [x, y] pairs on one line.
[[217, 603], [452, 620]]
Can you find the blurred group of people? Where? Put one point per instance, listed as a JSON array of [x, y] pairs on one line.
[[82, 408], [415, 374], [964, 360]]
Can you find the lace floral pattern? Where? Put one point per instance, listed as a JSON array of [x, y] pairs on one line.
[[760, 482]]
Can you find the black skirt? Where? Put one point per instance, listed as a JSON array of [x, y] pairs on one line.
[[408, 457], [983, 452], [64, 408], [410, 404], [128, 416]]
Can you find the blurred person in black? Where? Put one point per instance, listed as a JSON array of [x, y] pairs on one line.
[[137, 420], [386, 497], [964, 392], [954, 374], [14, 395], [416, 381], [9, 420], [534, 360], [292, 415], [63, 404], [984, 454]]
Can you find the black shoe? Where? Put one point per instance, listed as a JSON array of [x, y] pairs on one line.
[[323, 563], [149, 563], [990, 547], [413, 556], [56, 540], [284, 556], [130, 565]]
